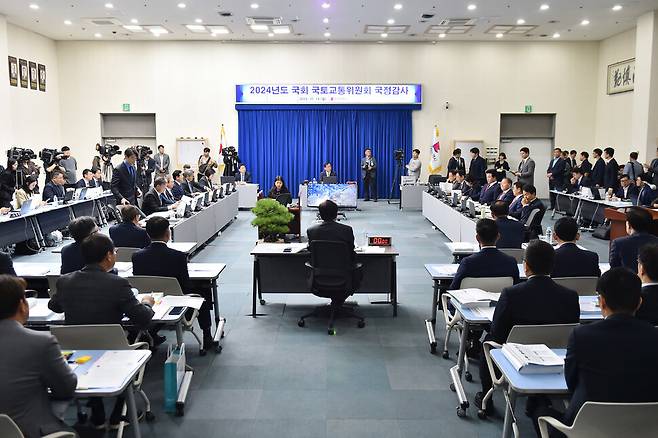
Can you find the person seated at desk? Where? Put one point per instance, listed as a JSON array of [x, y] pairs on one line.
[[613, 360], [647, 270], [54, 188], [87, 180], [190, 187], [460, 181], [471, 188], [94, 296], [451, 177], [645, 195], [128, 234], [511, 232], [177, 189], [626, 190], [327, 173], [155, 199], [623, 250], [530, 202], [279, 188], [80, 228], [158, 259], [206, 180], [489, 261], [97, 177], [168, 194], [26, 191], [517, 203], [331, 230], [539, 300], [491, 189], [578, 181], [571, 261], [34, 372], [506, 193], [243, 176]]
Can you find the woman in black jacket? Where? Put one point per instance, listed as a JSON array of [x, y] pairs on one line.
[[8, 183], [278, 188]]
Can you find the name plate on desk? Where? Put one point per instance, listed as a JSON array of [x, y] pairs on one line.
[[380, 241]]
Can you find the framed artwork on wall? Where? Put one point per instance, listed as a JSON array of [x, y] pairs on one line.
[[621, 76], [33, 75], [13, 71], [22, 70], [42, 77]]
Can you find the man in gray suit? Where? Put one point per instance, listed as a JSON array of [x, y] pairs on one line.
[[31, 363], [161, 163], [369, 175], [526, 172]]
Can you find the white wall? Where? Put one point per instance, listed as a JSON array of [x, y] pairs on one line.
[[190, 85], [614, 113]]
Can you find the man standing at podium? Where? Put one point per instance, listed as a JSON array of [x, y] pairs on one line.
[[369, 175]]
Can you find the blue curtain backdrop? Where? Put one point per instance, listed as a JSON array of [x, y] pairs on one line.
[[296, 141]]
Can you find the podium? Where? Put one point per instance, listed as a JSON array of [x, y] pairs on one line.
[[618, 222]]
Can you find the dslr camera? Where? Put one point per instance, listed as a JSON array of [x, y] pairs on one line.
[[21, 154], [108, 150], [49, 156], [398, 154]]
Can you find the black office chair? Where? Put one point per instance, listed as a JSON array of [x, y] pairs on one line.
[[436, 179], [284, 199], [332, 274], [534, 228]]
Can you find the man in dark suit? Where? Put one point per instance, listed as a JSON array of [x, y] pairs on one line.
[[31, 365], [645, 195], [177, 189], [517, 202], [128, 234], [615, 359], [94, 296], [80, 228], [506, 192], [611, 171], [478, 167], [539, 300], [647, 270], [87, 180], [623, 250], [158, 259], [626, 189], [456, 162], [511, 231], [6, 265], [578, 180], [571, 261], [598, 170], [242, 175], [155, 199], [329, 229], [491, 189], [328, 172], [97, 180], [572, 158], [190, 187], [489, 261], [169, 197], [530, 202], [555, 174], [472, 188], [585, 165], [124, 179], [459, 183], [54, 188]]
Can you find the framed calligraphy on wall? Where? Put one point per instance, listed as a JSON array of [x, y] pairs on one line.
[[621, 76]]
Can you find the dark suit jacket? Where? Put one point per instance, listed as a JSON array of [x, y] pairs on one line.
[[478, 168], [160, 260], [489, 193], [168, 197], [71, 258], [645, 196], [332, 231], [516, 204], [488, 262], [624, 250], [610, 174], [371, 171], [6, 265], [613, 360], [124, 185], [456, 164], [507, 196], [571, 261], [177, 191], [511, 233], [323, 175], [598, 172], [82, 183], [631, 193], [51, 190], [91, 296], [556, 170], [239, 178], [152, 202], [525, 211], [129, 235], [586, 167], [539, 300], [473, 191], [584, 182], [648, 311], [32, 364], [191, 187]]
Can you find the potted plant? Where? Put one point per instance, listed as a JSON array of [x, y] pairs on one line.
[[272, 219]]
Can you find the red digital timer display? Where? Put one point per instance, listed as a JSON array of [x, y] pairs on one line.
[[379, 240]]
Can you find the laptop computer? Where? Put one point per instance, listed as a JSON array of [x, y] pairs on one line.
[[26, 207], [329, 180], [68, 195]]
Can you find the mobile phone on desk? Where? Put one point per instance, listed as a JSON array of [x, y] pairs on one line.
[[287, 249], [177, 310]]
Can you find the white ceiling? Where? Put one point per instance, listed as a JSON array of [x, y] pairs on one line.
[[347, 18]]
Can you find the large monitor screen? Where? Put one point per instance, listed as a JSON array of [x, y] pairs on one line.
[[344, 195]]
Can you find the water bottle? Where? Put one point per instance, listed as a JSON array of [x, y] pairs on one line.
[[55, 200], [314, 181], [549, 235]]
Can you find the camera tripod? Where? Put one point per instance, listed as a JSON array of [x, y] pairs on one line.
[[395, 184]]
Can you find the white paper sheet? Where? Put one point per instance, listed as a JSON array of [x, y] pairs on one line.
[[111, 370]]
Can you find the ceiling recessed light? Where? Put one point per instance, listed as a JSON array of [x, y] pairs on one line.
[[134, 21], [259, 27], [270, 34], [325, 20], [544, 7], [158, 30], [182, 5], [68, 22], [134, 28], [109, 5], [520, 21], [281, 30], [397, 6], [326, 5], [442, 35], [390, 21], [34, 6], [327, 34], [617, 8], [198, 20], [196, 27], [499, 35], [556, 35], [98, 35], [472, 7], [254, 6], [384, 35], [584, 22]]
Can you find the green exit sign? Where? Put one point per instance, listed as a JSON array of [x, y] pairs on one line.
[[126, 108], [528, 108]]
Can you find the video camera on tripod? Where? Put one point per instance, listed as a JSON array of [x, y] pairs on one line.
[[49, 156], [107, 151], [142, 152], [21, 154], [398, 154]]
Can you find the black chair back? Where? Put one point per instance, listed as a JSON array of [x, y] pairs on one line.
[[436, 179], [331, 268]]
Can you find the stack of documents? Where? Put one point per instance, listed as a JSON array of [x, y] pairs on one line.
[[533, 359], [472, 298]]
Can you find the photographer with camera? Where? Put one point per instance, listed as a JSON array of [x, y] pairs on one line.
[[369, 175], [104, 161], [8, 183], [50, 159], [69, 164], [231, 161], [124, 179], [204, 163]]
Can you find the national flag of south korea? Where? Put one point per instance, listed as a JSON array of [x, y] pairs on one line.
[[435, 162], [222, 139]]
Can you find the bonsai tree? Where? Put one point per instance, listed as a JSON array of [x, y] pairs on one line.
[[272, 219]]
